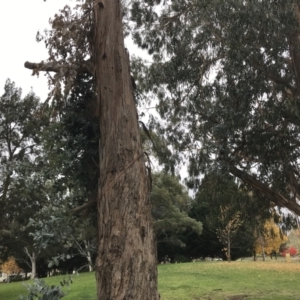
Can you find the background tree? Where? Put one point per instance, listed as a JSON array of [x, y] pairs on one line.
[[269, 238], [22, 191], [229, 224], [227, 85], [83, 40], [10, 267], [64, 235], [19, 140], [170, 206], [71, 145], [229, 214], [208, 243]]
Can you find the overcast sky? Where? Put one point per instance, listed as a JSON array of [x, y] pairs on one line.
[[19, 22]]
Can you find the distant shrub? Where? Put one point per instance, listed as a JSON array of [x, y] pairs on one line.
[[291, 250], [181, 259], [41, 291]]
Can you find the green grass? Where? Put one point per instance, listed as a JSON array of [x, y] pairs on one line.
[[247, 280], [234, 281], [83, 287]]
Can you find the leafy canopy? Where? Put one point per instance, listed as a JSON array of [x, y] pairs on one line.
[[226, 75], [170, 206]]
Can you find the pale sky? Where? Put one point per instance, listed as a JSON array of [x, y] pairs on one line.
[[19, 22]]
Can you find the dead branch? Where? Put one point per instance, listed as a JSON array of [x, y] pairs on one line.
[[85, 67]]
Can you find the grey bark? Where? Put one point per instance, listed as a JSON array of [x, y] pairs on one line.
[[33, 257]]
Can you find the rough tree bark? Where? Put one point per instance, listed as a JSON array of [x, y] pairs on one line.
[[126, 258], [126, 261]]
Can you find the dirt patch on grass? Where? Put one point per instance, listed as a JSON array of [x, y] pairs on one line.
[[237, 297]]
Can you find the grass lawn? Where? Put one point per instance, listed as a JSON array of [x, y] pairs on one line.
[[234, 281], [245, 280], [83, 287]]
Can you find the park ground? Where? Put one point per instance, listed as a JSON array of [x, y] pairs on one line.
[[243, 280]]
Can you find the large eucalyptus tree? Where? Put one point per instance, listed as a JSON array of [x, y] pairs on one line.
[[227, 78], [89, 39]]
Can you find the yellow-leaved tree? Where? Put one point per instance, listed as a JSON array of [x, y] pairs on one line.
[[10, 267], [294, 239], [269, 239], [229, 223]]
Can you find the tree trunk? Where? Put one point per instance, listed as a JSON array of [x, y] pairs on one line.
[[32, 258], [228, 247], [262, 245], [126, 258], [91, 269], [89, 256], [254, 254], [33, 266]]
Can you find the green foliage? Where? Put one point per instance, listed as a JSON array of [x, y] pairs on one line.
[[229, 215], [22, 190], [170, 206], [224, 79], [20, 133], [41, 291], [49, 167], [157, 147], [71, 148], [58, 231], [72, 142]]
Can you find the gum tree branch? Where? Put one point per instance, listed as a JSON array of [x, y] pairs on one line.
[[85, 67]]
